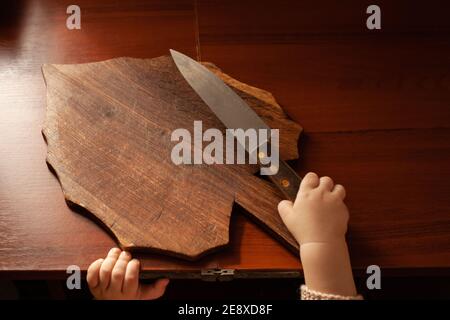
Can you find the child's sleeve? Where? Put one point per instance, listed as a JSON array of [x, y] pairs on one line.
[[308, 294]]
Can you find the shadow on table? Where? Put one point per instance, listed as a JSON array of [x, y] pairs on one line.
[[12, 14]]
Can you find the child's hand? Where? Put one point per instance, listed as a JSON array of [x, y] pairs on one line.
[[318, 220], [319, 214], [117, 277]]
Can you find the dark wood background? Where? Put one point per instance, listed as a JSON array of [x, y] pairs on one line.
[[375, 107]]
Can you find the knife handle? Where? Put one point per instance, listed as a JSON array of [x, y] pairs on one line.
[[287, 180]]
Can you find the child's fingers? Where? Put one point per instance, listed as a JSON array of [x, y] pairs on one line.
[[131, 281], [118, 272], [326, 183], [310, 181], [107, 267], [340, 191], [154, 290], [93, 273]]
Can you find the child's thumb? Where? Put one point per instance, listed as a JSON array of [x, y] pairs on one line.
[[154, 290], [284, 209]]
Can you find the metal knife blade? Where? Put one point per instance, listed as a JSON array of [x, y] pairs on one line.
[[221, 99], [232, 111]]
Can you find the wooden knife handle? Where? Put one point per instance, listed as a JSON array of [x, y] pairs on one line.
[[287, 180]]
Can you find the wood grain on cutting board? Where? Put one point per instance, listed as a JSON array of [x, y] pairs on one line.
[[108, 128]]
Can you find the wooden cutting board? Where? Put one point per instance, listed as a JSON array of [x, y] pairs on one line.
[[108, 128]]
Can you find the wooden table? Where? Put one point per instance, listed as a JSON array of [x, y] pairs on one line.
[[375, 107]]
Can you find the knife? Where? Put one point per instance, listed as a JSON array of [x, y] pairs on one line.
[[234, 113]]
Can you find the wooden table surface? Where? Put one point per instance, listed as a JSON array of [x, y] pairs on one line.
[[375, 107]]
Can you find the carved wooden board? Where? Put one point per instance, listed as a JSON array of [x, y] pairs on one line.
[[108, 128]]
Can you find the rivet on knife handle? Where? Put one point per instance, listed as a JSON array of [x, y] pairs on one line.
[[285, 178]]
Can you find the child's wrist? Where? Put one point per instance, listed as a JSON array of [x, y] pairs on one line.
[[326, 266], [318, 248], [317, 243]]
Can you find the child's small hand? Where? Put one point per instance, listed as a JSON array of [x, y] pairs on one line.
[[117, 278], [318, 220], [319, 214]]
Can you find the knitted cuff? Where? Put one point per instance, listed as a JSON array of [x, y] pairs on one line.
[[308, 294]]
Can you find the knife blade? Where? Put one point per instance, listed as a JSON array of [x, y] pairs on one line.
[[234, 113]]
